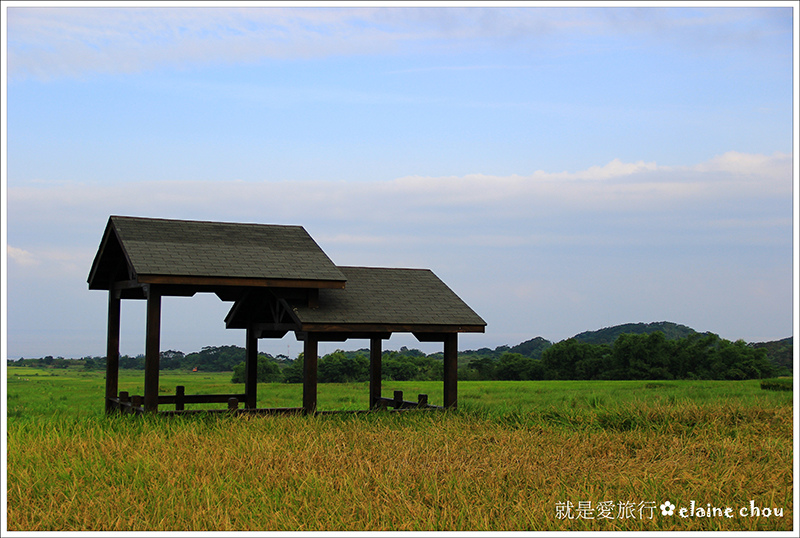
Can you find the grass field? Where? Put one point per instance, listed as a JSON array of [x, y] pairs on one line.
[[554, 455]]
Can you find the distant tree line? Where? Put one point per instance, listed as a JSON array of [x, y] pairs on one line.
[[50, 362], [337, 367], [630, 356], [208, 359], [348, 367], [633, 356]]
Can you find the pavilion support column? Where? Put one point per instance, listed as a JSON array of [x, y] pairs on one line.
[[450, 370], [310, 373], [112, 349], [152, 353], [251, 368], [375, 352]]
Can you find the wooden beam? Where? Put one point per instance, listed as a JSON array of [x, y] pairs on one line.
[[251, 368], [430, 336], [133, 293], [112, 349], [152, 353], [418, 330], [375, 353], [267, 411], [268, 333], [397, 402], [343, 336], [126, 284], [182, 291], [180, 397], [310, 374], [228, 293], [451, 370]]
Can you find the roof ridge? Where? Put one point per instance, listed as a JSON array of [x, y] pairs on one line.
[[162, 219], [384, 267]]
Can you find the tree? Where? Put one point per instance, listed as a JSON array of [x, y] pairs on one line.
[[642, 356], [171, 360], [133, 363], [740, 361], [514, 366], [411, 352], [397, 369], [293, 372], [338, 368], [561, 360], [214, 358], [428, 368], [267, 371], [485, 367]]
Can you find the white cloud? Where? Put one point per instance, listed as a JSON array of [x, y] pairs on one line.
[[756, 165], [47, 42], [614, 169], [611, 188], [51, 261], [733, 199], [50, 42], [22, 257]]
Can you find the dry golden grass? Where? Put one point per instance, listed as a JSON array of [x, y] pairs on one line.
[[416, 472]]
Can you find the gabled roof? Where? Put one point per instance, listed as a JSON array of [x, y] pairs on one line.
[[165, 251], [376, 299]]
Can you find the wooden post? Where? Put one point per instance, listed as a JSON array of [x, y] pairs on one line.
[[398, 399], [375, 352], [451, 370], [233, 404], [152, 353], [251, 368], [180, 392], [112, 349], [310, 374]]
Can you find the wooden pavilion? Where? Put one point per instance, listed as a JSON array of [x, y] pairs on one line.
[[279, 280]]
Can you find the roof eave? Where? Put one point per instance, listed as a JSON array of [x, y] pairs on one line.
[[239, 281], [391, 328]]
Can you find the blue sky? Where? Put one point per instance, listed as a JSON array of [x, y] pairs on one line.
[[562, 169]]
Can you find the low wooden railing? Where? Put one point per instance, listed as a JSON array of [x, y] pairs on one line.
[[133, 403], [127, 403], [397, 402]]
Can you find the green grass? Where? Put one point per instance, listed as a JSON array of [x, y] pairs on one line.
[[74, 392], [778, 383], [502, 462]]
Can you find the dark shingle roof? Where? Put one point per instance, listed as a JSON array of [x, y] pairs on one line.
[[391, 297], [218, 250]]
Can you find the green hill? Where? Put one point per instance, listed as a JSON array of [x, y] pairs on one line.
[[607, 335], [778, 351], [532, 348]]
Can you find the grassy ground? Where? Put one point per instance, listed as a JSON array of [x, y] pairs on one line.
[[515, 456]]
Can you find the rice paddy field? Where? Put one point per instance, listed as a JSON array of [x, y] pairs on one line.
[[515, 456]]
